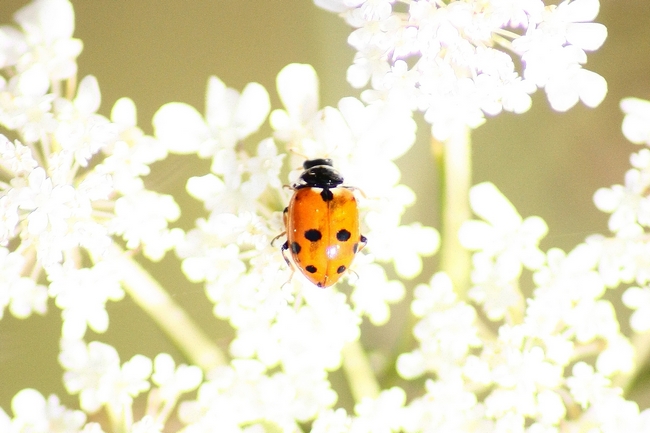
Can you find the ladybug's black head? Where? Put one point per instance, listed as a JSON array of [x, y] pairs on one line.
[[319, 173], [314, 162]]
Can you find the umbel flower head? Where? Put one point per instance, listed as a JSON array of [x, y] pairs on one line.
[[71, 178], [230, 250], [457, 61], [509, 355]]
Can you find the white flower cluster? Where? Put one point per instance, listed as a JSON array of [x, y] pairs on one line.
[[94, 372], [625, 258], [505, 244], [456, 61], [539, 357], [246, 277], [71, 178], [551, 366]]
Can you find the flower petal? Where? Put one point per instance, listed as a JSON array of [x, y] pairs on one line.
[[298, 89], [253, 107], [588, 36], [491, 205], [180, 127]]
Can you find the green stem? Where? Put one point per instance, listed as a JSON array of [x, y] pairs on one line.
[[149, 295], [454, 161], [627, 382], [361, 378]]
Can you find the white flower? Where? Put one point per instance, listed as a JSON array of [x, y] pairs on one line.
[[618, 357], [445, 406], [57, 217], [298, 89], [242, 394], [373, 293], [591, 319], [332, 421], [58, 203], [622, 258], [142, 218], [130, 156], [455, 61], [238, 181], [446, 332], [505, 243], [570, 275], [63, 208], [384, 414], [230, 117], [80, 131], [94, 372], [495, 288], [33, 413], [627, 204], [504, 236], [174, 381], [82, 295], [638, 299], [27, 297], [525, 384], [146, 425], [636, 124], [86, 368], [92, 427], [315, 343], [21, 294], [587, 386], [47, 27], [566, 285], [613, 413], [404, 245]]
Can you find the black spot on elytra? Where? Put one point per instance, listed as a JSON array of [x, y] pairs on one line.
[[295, 247], [313, 235], [326, 194], [340, 269], [311, 269], [343, 235]]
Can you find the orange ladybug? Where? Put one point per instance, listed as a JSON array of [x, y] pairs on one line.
[[322, 224]]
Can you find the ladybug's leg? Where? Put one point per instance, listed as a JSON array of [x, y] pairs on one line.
[[298, 299], [284, 248], [278, 237], [363, 241], [354, 188], [284, 217]]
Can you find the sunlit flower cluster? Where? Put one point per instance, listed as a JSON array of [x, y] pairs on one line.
[[556, 352], [625, 257], [280, 318], [71, 178], [457, 61], [532, 345]]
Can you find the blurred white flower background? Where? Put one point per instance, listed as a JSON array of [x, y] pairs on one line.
[[500, 150]]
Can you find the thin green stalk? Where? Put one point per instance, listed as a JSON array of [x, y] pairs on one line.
[[361, 378], [454, 161], [149, 295], [628, 381]]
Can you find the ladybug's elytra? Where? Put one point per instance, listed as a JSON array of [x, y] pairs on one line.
[[322, 224]]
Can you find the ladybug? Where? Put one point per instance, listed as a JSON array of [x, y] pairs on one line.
[[322, 224]]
